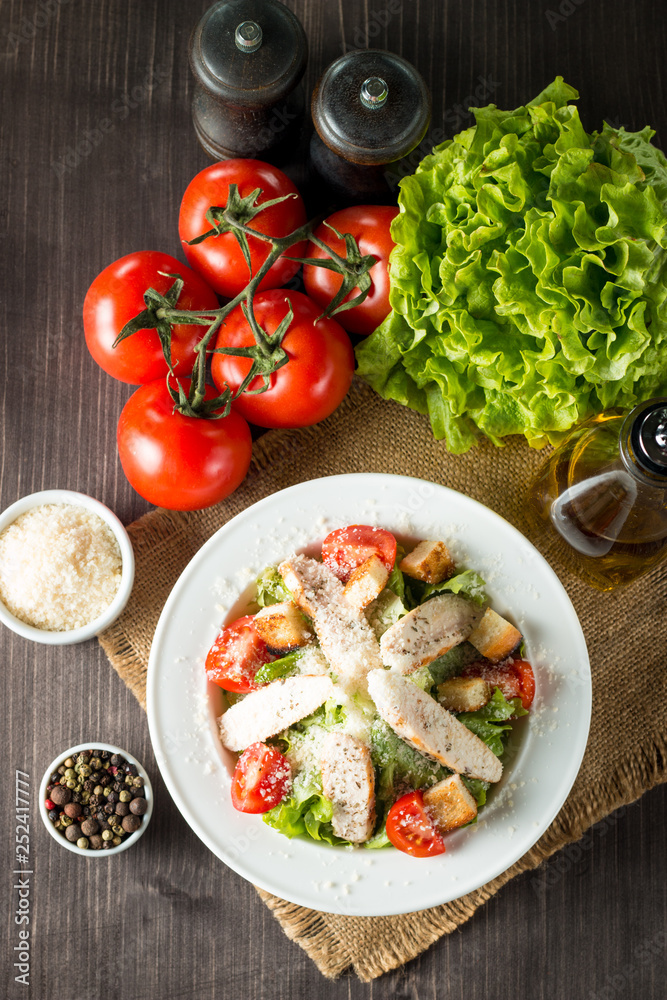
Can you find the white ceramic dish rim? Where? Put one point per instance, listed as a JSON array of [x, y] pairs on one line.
[[127, 841], [99, 624], [166, 681]]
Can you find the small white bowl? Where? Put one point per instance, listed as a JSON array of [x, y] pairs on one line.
[[128, 839], [99, 624]]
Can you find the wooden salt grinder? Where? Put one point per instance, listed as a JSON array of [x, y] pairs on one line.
[[247, 57], [369, 109]]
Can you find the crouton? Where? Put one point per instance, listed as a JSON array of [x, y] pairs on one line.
[[428, 561], [450, 804], [348, 781], [282, 628], [428, 632], [429, 728], [464, 694], [494, 637], [366, 582]]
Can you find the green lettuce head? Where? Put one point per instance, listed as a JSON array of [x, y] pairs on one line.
[[528, 282]]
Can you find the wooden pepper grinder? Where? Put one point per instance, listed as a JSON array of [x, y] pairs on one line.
[[248, 57], [369, 109]]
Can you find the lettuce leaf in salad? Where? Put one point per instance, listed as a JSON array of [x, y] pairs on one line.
[[529, 279], [389, 606], [305, 812], [271, 588], [401, 767], [379, 838], [423, 678], [467, 582], [491, 722], [453, 662], [384, 612], [478, 790], [330, 715], [396, 581], [286, 666]]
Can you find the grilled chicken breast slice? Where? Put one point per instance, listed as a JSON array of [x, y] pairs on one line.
[[348, 781], [429, 728], [428, 632], [271, 709], [346, 638]]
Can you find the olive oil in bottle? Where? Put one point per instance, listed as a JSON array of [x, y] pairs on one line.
[[603, 492]]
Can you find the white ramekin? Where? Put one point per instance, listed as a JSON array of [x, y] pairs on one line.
[[127, 840], [103, 621]]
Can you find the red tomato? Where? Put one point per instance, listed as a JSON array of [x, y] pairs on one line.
[[515, 678], [261, 780], [370, 226], [526, 677], [236, 655], [219, 258], [182, 463], [314, 380], [117, 295], [346, 548], [411, 830]]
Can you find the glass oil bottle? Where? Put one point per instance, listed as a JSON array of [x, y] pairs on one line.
[[604, 493]]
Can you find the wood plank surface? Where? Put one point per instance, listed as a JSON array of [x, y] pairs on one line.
[[166, 919]]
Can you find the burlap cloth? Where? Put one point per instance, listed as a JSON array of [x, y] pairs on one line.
[[626, 632]]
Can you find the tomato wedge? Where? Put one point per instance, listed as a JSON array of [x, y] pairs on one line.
[[515, 678], [526, 677], [346, 548], [236, 655], [410, 828], [261, 780]]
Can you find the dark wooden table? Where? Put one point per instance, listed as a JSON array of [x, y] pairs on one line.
[[167, 920]]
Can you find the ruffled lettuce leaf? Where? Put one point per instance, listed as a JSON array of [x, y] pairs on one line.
[[491, 722], [270, 588], [529, 277], [396, 580], [468, 583], [401, 767], [452, 663], [305, 812], [384, 612], [478, 790]]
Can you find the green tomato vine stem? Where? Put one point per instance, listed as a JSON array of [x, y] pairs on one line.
[[267, 355]]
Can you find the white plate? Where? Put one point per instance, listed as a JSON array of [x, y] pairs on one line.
[[544, 755]]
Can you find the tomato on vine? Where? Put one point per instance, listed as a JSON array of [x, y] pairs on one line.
[[176, 461], [317, 366], [370, 225], [241, 187], [116, 296]]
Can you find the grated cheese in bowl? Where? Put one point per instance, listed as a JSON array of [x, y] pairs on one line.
[[60, 566]]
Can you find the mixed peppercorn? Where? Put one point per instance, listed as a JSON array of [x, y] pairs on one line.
[[95, 798]]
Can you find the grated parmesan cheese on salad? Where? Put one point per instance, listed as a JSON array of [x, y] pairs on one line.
[[60, 567]]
